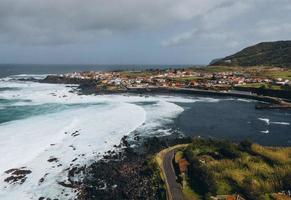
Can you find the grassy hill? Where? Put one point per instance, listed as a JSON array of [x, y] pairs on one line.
[[219, 168], [262, 54]]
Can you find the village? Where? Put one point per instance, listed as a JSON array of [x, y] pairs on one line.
[[187, 78]]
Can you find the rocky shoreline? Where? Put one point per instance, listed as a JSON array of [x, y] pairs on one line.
[[129, 173], [90, 87]]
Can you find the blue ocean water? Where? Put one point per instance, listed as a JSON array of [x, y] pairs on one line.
[[40, 121], [232, 119], [15, 69], [236, 120], [10, 111]]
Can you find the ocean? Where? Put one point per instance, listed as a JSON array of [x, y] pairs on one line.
[[16, 69], [43, 122]]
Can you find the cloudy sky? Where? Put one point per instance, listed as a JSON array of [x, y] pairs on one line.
[[136, 31]]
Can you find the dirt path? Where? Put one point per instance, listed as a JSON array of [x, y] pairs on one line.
[[164, 159]]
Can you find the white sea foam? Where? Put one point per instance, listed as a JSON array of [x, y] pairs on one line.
[[29, 76], [281, 123], [266, 131], [267, 121], [30, 142], [157, 116], [27, 143]]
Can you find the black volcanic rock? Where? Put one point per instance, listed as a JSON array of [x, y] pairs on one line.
[[68, 80], [17, 176], [88, 86], [263, 54]]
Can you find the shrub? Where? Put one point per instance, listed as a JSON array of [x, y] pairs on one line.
[[251, 188], [287, 181], [229, 150], [199, 172], [245, 145]]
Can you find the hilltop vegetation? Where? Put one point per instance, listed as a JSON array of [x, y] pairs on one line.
[[223, 168], [262, 54]]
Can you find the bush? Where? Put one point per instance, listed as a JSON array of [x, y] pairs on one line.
[[246, 145], [287, 181], [250, 169], [229, 150], [251, 188], [200, 173]]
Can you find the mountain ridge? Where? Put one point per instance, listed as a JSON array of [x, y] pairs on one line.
[[276, 54]]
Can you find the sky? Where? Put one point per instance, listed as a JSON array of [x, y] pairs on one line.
[[136, 31]]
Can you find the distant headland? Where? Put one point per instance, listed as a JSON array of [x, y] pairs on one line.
[[276, 54]]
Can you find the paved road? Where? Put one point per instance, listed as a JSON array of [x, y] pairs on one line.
[[174, 189]]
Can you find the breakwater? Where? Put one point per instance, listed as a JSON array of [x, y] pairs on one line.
[[284, 94], [90, 87], [205, 92]]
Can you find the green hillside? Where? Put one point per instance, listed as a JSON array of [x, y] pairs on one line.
[[262, 54], [222, 169]]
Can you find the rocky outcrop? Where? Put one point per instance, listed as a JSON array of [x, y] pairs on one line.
[[68, 80], [129, 174], [17, 176]]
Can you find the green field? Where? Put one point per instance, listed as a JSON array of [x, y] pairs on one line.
[[224, 168], [263, 85], [137, 74], [284, 74], [216, 69]]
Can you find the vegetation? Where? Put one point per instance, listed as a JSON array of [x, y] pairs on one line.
[[140, 74], [275, 74], [187, 80], [216, 69], [262, 54], [224, 168], [263, 86], [157, 183]]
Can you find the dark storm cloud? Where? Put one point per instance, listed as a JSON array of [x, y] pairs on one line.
[[192, 30], [237, 23], [62, 21]]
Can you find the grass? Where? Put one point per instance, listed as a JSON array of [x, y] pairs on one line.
[[260, 85], [188, 193], [178, 156], [215, 69], [187, 79], [138, 74], [257, 71], [224, 168], [284, 74], [157, 179], [276, 155]]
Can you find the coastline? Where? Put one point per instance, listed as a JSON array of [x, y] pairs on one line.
[[89, 87], [125, 163], [204, 92], [131, 173], [265, 102], [72, 173], [118, 169]]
